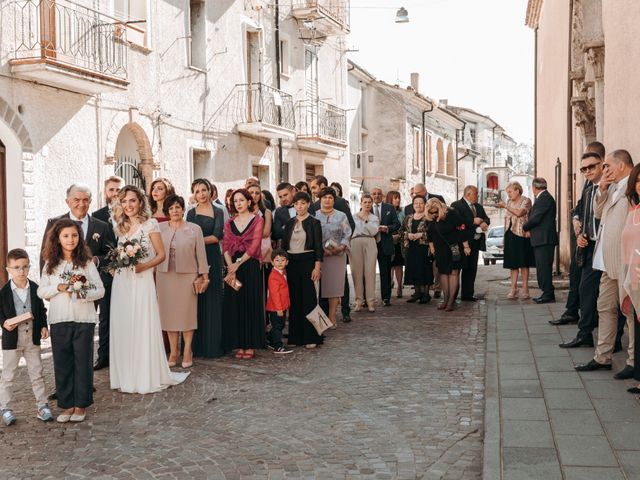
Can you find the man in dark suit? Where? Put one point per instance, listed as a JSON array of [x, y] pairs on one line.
[[389, 224], [318, 183], [99, 237], [284, 212], [544, 238], [420, 190], [112, 186], [477, 221]]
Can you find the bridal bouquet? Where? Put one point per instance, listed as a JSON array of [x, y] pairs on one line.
[[78, 283], [125, 255]]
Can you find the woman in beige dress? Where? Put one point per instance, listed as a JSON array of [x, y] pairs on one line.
[[180, 277]]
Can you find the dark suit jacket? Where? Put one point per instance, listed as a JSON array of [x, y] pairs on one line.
[[99, 246], [280, 218], [103, 214], [8, 310], [389, 218], [462, 207], [408, 210], [542, 221], [340, 204]]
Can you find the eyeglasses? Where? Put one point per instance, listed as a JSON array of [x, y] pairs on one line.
[[588, 168], [433, 212], [20, 269]]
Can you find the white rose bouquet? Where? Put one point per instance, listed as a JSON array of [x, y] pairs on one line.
[[125, 255], [78, 283]]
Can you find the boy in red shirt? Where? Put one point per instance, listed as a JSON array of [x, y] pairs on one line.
[[278, 301]]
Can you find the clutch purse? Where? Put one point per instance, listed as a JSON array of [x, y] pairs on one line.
[[317, 317], [233, 282]]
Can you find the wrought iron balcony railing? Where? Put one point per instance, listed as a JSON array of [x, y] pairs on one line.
[[336, 11], [66, 34], [260, 103], [321, 122]]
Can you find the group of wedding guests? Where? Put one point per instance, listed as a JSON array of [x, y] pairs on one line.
[[212, 279]]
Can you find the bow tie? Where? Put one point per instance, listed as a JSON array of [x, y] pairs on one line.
[[291, 206]]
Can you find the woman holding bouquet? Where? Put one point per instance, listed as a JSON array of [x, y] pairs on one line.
[[180, 278], [71, 283], [137, 359], [243, 308]]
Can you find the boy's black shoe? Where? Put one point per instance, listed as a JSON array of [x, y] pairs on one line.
[[282, 351], [270, 347]]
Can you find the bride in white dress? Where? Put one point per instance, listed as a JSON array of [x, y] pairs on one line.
[[137, 360]]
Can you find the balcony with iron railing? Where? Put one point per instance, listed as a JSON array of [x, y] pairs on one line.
[[63, 44], [262, 111], [321, 125], [331, 17]]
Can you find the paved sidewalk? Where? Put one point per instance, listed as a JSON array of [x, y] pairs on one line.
[[543, 419]]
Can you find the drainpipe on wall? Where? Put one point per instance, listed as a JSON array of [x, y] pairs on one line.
[[278, 81], [424, 144], [569, 121], [535, 104], [461, 130]]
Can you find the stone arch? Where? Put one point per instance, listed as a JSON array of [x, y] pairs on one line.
[[17, 224], [14, 122], [142, 130], [451, 161], [440, 152]]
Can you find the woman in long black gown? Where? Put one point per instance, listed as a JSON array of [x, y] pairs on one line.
[[419, 269], [207, 340], [447, 234], [243, 309]]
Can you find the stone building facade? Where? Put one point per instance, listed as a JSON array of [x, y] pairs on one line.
[[587, 73], [399, 137], [147, 88]]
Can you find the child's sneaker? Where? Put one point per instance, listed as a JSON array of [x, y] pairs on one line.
[[270, 347], [282, 351], [8, 417], [44, 413]]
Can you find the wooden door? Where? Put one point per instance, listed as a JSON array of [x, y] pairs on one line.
[[3, 214]]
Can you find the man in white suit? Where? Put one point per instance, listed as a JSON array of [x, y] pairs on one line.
[[611, 208]]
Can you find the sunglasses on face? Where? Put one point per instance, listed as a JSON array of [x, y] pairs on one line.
[[589, 168], [433, 212]]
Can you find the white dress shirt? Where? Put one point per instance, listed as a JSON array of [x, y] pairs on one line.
[[84, 222], [21, 292]]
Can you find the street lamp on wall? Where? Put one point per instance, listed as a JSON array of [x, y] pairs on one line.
[[402, 15]]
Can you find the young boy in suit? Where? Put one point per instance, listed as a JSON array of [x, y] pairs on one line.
[[19, 298], [278, 301]]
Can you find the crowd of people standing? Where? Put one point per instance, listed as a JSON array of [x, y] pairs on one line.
[[236, 276]]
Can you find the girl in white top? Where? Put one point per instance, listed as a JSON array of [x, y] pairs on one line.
[[72, 316]]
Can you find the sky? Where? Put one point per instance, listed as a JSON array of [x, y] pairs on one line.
[[474, 53]]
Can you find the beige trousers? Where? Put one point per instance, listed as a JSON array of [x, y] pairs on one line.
[[363, 258], [10, 362], [608, 303]]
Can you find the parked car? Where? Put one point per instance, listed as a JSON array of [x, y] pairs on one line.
[[495, 246]]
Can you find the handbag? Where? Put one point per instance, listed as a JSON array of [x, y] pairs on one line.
[[317, 317], [456, 256], [233, 282]]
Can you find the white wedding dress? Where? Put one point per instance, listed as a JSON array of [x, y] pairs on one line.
[[137, 360]]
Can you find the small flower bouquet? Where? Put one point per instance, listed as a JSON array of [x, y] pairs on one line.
[[78, 283], [126, 255]]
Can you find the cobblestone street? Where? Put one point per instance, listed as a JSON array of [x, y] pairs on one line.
[[394, 394]]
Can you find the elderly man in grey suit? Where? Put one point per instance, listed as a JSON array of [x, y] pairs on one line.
[[611, 208]]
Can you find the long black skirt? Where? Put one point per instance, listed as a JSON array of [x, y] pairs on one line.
[[419, 265], [243, 315], [302, 293], [518, 252], [207, 339]]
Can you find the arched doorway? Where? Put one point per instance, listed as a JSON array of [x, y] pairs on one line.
[[132, 156], [451, 163], [492, 181], [440, 152]]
